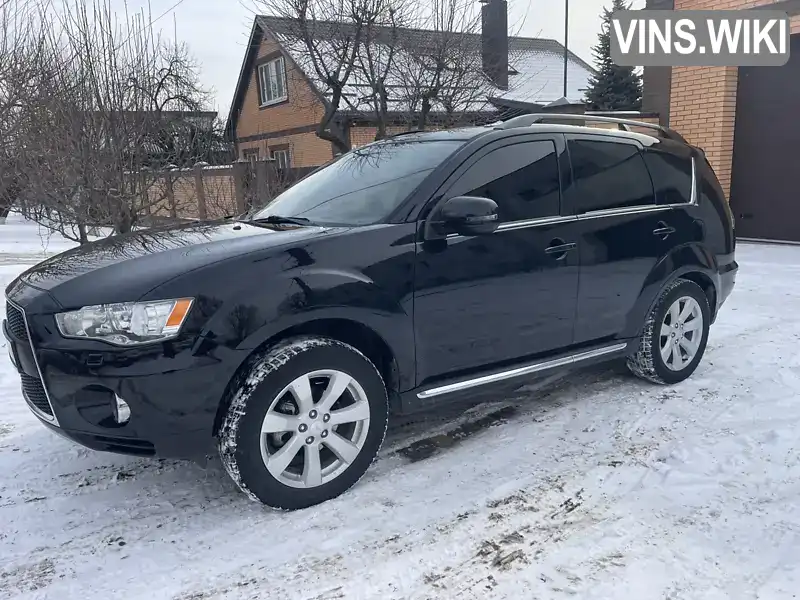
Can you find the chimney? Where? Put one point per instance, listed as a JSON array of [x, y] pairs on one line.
[[494, 41]]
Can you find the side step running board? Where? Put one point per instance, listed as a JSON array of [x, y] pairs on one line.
[[520, 371]]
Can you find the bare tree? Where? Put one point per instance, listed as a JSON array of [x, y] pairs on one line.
[[390, 62], [383, 24], [21, 37], [442, 68], [328, 34], [103, 119]]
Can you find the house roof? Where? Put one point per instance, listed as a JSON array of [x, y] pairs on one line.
[[536, 67]]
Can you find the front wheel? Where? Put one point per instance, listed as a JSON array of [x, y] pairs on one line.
[[675, 335], [304, 423]]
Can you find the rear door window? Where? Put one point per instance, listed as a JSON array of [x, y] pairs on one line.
[[608, 175]]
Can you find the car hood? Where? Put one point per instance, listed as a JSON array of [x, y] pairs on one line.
[[124, 268]]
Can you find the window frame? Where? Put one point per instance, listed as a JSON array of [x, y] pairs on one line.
[[570, 197], [284, 150], [251, 155], [445, 190], [264, 72]]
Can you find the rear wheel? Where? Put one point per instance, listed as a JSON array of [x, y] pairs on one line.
[[304, 423], [675, 335]]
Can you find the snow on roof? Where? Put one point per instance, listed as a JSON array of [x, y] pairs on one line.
[[541, 68], [536, 68]]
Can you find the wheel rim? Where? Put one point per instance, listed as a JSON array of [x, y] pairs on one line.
[[315, 428], [681, 333]]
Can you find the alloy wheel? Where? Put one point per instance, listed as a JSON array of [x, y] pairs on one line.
[[681, 333], [315, 428]]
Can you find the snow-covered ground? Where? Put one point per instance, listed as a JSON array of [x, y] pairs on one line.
[[596, 486], [24, 242]]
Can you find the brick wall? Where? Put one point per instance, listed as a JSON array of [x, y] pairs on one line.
[[306, 149], [703, 110], [218, 185], [360, 136], [703, 99], [302, 108]]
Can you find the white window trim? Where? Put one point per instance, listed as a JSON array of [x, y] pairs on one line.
[[264, 75], [287, 152]]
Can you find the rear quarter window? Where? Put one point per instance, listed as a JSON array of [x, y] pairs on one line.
[[672, 177]]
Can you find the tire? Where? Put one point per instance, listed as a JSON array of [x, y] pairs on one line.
[[649, 361], [272, 394]]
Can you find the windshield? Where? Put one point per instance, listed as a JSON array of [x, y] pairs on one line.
[[364, 186]]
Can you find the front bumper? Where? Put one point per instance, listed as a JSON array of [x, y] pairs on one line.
[[173, 390]]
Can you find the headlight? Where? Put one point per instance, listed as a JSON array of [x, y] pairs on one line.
[[126, 324]]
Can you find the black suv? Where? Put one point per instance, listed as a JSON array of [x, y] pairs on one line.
[[403, 274]]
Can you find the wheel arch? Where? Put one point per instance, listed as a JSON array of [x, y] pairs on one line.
[[706, 283], [349, 331], [691, 262]]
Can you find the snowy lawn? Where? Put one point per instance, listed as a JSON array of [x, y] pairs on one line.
[[24, 242], [595, 486]]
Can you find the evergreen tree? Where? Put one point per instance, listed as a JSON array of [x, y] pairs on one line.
[[613, 87]]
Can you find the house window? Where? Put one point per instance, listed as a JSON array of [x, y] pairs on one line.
[[282, 158], [250, 155], [272, 82]]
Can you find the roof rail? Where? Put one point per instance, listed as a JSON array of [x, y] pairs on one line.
[[624, 124], [408, 132]]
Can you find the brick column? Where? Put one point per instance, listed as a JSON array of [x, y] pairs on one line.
[[703, 110], [703, 99]]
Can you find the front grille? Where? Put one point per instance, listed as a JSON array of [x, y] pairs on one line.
[[16, 322], [32, 386], [34, 393]]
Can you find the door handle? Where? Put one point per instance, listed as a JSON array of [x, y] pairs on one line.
[[663, 230], [558, 248]]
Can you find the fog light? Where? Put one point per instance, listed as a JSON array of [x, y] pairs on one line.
[[122, 412]]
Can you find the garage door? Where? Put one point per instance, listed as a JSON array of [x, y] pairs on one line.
[[765, 184]]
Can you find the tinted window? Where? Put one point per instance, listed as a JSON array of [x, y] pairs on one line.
[[609, 175], [363, 186], [672, 177], [522, 179]]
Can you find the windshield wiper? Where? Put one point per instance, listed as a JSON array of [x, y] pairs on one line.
[[281, 219]]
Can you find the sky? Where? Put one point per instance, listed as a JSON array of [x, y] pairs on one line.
[[216, 31]]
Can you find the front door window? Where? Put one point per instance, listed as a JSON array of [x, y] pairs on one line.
[[522, 178]]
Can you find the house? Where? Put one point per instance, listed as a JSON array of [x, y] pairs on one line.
[[279, 99], [745, 119]]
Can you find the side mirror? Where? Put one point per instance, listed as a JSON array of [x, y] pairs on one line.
[[468, 215]]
